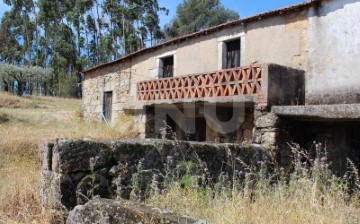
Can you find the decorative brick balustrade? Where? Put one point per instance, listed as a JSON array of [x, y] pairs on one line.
[[224, 83], [266, 84]]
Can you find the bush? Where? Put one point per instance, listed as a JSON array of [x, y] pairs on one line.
[[4, 117]]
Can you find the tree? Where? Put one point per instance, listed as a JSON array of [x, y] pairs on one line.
[[194, 15], [70, 35], [24, 78]]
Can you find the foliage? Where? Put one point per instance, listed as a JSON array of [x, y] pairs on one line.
[[29, 78], [68, 36], [194, 15]]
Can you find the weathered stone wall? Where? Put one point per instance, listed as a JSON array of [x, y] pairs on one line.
[[74, 171], [118, 81], [272, 133], [265, 131]]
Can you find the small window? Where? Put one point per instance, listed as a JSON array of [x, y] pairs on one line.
[[232, 54], [167, 67]]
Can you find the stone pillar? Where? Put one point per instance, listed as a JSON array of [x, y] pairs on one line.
[[266, 131]]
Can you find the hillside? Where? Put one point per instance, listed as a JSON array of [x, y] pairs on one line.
[[25, 124]]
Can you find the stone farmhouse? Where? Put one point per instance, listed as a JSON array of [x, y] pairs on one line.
[[288, 75]]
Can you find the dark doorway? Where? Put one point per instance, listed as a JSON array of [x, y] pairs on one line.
[[170, 127], [199, 134], [168, 67], [355, 145], [339, 139], [233, 54], [107, 106]]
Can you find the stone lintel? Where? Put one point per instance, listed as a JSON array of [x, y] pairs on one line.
[[235, 99], [320, 112], [139, 105]]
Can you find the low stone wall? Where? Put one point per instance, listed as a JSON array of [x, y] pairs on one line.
[[74, 171]]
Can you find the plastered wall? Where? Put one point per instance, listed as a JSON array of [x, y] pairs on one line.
[[334, 53]]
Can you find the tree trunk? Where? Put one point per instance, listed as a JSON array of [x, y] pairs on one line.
[[20, 88], [6, 86]]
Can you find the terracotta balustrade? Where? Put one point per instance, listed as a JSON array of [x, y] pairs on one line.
[[224, 83]]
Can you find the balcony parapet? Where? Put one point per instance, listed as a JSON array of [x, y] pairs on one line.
[[252, 80]]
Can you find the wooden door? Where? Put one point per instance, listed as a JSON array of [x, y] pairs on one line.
[[107, 107]]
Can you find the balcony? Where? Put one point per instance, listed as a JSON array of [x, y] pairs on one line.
[[255, 81]]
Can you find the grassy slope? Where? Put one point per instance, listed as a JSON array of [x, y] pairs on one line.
[[25, 124]]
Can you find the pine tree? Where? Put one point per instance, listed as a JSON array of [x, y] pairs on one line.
[[194, 15]]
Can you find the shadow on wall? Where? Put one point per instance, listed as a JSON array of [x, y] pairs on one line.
[[339, 139]]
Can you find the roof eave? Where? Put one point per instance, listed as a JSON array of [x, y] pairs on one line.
[[211, 30]]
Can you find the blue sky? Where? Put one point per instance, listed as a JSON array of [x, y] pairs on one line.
[[3, 8], [244, 7]]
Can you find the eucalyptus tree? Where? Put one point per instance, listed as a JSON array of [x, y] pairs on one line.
[[132, 24], [19, 27], [70, 35], [9, 45]]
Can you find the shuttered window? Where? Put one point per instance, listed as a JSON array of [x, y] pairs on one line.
[[233, 54]]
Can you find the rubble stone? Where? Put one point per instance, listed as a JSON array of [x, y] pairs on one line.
[[124, 212]]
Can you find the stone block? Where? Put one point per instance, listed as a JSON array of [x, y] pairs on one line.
[[268, 139], [47, 156], [74, 156], [267, 120], [50, 193], [257, 136]]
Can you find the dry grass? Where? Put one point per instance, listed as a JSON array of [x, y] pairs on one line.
[[25, 124], [279, 206], [24, 130], [307, 195], [10, 101]]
